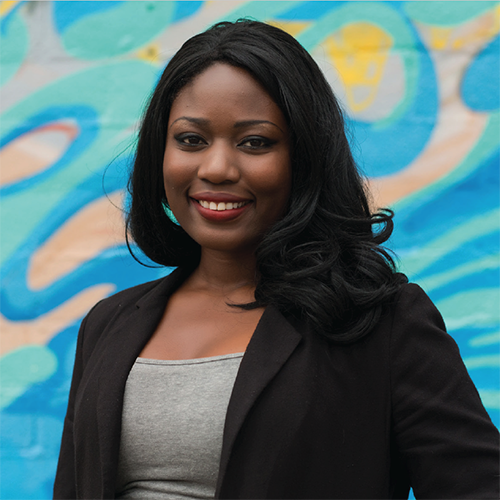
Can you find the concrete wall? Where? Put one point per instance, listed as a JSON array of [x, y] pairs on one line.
[[419, 79]]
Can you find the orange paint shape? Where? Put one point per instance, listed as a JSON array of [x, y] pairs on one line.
[[442, 155], [15, 334], [95, 228], [467, 36], [457, 130], [35, 151]]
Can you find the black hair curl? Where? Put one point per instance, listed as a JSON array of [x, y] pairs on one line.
[[322, 261]]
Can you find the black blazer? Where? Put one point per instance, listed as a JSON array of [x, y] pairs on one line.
[[307, 418]]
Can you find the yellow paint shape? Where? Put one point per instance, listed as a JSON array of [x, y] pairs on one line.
[[291, 27], [15, 334], [96, 227], [6, 6], [440, 37], [467, 36], [496, 19], [35, 151], [150, 53], [359, 52]]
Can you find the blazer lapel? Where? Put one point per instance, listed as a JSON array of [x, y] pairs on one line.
[[271, 345], [124, 342]]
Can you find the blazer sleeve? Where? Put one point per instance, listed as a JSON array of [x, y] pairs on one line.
[[65, 482], [446, 438]]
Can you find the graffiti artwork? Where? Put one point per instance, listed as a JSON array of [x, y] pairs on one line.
[[418, 80]]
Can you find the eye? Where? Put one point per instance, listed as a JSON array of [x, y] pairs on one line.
[[256, 142], [190, 140]]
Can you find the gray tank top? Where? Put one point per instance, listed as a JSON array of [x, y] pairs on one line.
[[172, 424]]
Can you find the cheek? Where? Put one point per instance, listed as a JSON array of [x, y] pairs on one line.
[[276, 178], [272, 186], [176, 174]]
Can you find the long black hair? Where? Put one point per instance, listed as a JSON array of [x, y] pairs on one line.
[[322, 261]]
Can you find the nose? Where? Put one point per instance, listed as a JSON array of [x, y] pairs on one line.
[[219, 164]]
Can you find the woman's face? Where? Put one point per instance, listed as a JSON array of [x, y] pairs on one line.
[[226, 167]]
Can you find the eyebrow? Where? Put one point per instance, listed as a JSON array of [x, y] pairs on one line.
[[249, 123], [197, 121], [241, 124]]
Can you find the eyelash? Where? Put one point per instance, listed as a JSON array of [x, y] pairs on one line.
[[183, 140], [264, 143]]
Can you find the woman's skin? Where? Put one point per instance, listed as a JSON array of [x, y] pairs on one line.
[[227, 142]]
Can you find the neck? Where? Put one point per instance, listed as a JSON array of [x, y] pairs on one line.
[[222, 273]]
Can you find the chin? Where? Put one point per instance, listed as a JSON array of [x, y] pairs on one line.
[[228, 244]]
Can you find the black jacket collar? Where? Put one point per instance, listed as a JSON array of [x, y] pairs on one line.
[[272, 343]]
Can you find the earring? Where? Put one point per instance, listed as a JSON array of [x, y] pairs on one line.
[[169, 213]]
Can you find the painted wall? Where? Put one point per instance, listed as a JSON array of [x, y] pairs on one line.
[[419, 79]]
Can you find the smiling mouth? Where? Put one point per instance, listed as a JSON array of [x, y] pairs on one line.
[[221, 206]]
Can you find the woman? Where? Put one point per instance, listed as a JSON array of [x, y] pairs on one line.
[[285, 357]]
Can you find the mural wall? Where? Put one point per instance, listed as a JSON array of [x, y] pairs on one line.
[[420, 81]]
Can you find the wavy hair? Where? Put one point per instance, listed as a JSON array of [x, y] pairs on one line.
[[323, 261]]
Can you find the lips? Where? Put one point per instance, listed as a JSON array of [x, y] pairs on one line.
[[219, 206]]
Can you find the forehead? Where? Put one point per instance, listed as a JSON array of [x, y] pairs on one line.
[[227, 89]]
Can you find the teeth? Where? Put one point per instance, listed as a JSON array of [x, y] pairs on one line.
[[221, 206]]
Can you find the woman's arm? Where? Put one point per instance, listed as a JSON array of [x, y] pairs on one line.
[[450, 445], [65, 482]]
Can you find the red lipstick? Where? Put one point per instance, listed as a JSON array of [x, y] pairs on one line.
[[219, 207], [218, 197]]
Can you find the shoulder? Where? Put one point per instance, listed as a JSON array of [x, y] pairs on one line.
[[414, 327], [411, 330], [412, 301], [122, 305], [423, 359], [127, 297], [414, 313], [440, 425], [130, 297], [119, 303], [410, 308]]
